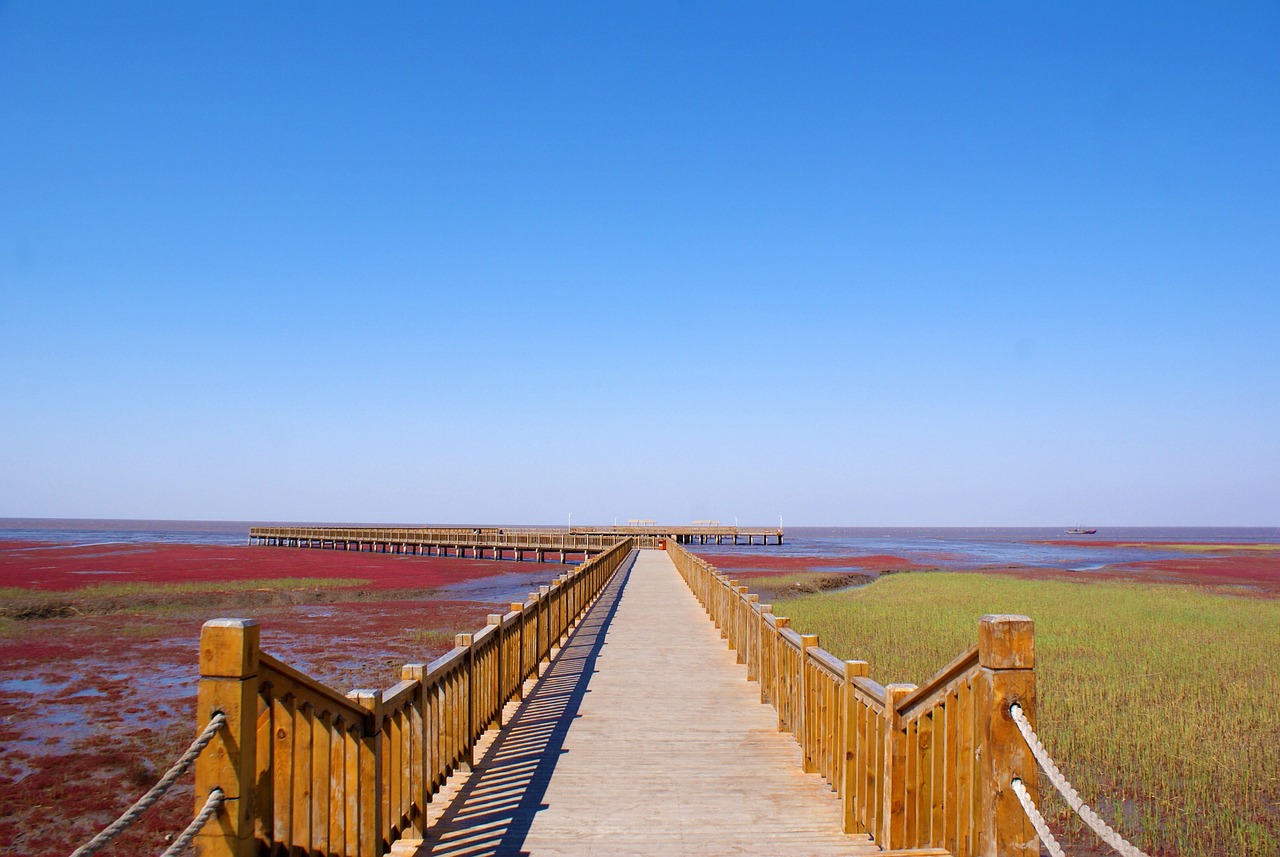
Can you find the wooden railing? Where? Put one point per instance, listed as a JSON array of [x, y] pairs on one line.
[[402, 539], [306, 769], [915, 767], [453, 537]]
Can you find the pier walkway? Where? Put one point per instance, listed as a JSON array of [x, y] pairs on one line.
[[642, 702], [642, 737]]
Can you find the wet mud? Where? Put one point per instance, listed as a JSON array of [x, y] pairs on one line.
[[97, 693]]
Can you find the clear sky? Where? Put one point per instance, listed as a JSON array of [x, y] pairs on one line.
[[848, 263]]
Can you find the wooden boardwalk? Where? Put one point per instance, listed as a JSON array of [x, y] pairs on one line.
[[642, 737]]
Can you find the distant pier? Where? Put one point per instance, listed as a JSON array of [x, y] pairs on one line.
[[521, 544]]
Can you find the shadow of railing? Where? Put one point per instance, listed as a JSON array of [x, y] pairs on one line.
[[494, 809]]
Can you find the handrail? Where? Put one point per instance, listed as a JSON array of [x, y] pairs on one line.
[[915, 767], [925, 695], [302, 767]]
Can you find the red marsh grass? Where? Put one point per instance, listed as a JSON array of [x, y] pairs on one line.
[[1157, 701], [97, 700]]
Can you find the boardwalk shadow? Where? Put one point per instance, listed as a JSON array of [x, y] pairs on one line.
[[493, 811]]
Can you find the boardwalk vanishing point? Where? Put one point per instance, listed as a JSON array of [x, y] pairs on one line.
[[643, 737], [641, 703]]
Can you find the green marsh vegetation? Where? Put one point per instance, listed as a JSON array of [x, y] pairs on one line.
[[158, 599], [1160, 703]]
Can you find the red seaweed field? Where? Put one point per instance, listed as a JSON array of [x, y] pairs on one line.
[[1243, 569], [97, 696]]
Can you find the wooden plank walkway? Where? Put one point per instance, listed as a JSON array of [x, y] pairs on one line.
[[642, 737]]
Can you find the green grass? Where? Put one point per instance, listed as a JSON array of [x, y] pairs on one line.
[[271, 584], [1162, 701], [430, 637]]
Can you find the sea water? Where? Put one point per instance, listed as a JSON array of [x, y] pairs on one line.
[[978, 547], [947, 547]]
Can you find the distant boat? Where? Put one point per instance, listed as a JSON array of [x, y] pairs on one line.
[[1081, 531]]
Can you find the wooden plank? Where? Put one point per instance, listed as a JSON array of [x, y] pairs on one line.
[[937, 777], [352, 740], [337, 785], [320, 752], [964, 771], [924, 783], [737, 788], [949, 794], [911, 784], [264, 797], [282, 754]]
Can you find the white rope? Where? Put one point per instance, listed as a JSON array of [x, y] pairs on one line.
[[211, 807], [1091, 818], [157, 791], [1037, 820]]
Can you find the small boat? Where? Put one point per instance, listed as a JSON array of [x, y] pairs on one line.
[[1081, 531]]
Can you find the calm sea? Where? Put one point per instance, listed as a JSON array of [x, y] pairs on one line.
[[972, 547], [952, 547]]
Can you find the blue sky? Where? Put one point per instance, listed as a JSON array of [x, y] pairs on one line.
[[904, 264]]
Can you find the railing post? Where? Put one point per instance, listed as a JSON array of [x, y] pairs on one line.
[[893, 814], [742, 606], [459, 641], [802, 715], [544, 623], [779, 704], [852, 779], [370, 814], [501, 671], [228, 683], [419, 773], [762, 628], [1006, 657], [518, 608]]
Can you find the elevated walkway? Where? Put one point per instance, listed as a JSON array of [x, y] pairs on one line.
[[628, 726], [642, 737]]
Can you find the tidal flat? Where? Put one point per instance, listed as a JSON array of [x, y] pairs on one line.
[[98, 659]]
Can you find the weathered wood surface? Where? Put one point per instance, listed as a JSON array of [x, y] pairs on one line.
[[642, 737]]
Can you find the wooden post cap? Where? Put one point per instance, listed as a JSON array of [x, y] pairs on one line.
[[229, 648], [410, 672], [495, 618], [781, 622], [517, 606], [1006, 641], [461, 641], [808, 641], [856, 669], [893, 693]]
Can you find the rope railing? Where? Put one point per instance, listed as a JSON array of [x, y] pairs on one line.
[[208, 811], [157, 791], [1068, 792], [1037, 820]]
